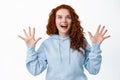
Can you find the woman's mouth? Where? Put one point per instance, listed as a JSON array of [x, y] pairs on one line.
[[64, 27]]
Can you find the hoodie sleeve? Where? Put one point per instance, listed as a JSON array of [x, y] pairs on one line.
[[36, 61], [93, 58]]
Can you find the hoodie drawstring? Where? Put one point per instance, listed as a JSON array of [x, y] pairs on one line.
[[59, 50], [69, 54]]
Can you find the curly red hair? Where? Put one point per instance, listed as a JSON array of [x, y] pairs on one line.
[[77, 39]]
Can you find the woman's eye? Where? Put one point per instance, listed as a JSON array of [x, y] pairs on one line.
[[59, 17], [69, 17]]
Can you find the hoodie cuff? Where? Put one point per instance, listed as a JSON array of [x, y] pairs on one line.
[[96, 48], [30, 49]]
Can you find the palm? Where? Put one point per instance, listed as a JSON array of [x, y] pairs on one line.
[[30, 40], [99, 35]]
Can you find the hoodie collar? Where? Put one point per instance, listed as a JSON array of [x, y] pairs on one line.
[[58, 38]]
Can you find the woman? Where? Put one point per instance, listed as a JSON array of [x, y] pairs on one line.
[[66, 52]]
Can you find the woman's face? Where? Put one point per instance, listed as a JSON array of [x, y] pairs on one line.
[[63, 22]]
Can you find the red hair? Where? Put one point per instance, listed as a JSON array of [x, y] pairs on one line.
[[77, 39]]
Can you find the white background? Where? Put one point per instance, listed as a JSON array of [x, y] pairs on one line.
[[18, 14]]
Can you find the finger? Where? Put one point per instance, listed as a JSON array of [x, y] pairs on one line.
[[90, 35], [30, 31], [102, 29], [21, 37], [33, 33], [25, 33], [37, 39], [104, 32], [106, 37], [98, 29]]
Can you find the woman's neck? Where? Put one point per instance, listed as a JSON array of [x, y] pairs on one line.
[[63, 35]]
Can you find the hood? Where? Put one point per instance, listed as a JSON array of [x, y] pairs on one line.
[[63, 47]]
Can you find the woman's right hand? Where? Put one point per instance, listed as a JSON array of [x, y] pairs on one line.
[[30, 37]]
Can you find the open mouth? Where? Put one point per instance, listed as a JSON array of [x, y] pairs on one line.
[[64, 26]]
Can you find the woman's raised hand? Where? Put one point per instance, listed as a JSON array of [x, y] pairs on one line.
[[99, 35], [30, 37]]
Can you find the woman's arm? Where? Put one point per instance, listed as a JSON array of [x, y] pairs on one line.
[[93, 56], [36, 62]]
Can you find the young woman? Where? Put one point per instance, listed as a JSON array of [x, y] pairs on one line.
[[66, 52]]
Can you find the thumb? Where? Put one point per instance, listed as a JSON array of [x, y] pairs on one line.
[[90, 34], [37, 39]]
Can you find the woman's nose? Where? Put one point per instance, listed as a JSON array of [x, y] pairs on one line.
[[64, 19]]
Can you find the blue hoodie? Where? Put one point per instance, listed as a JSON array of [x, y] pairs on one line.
[[61, 61]]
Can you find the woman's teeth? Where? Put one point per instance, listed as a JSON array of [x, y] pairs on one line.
[[64, 26]]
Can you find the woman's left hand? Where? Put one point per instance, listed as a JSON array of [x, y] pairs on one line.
[[99, 35]]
